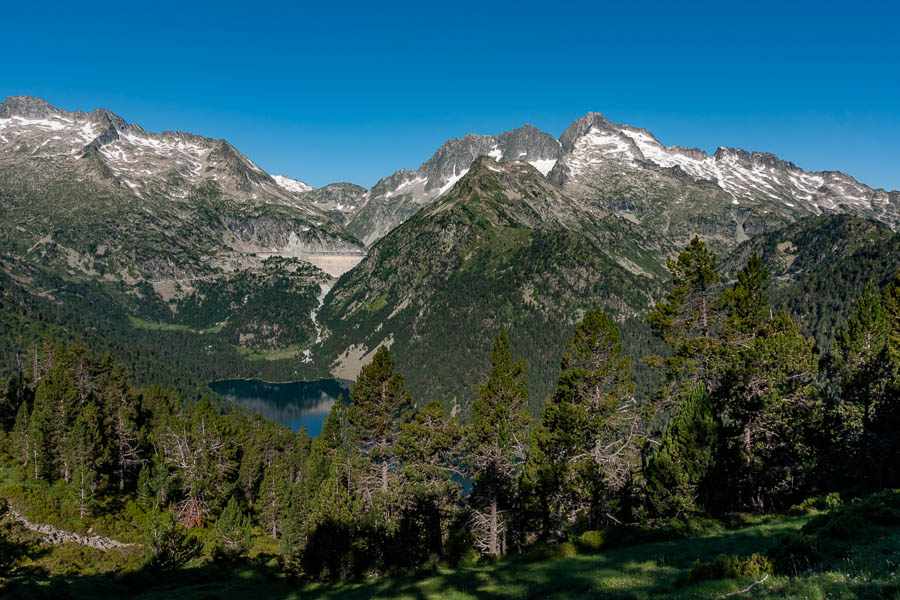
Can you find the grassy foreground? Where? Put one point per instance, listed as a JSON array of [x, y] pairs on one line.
[[660, 570]]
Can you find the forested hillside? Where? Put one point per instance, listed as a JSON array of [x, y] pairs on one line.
[[745, 421], [820, 265]]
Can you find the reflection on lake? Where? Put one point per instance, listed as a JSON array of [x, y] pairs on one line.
[[295, 404]]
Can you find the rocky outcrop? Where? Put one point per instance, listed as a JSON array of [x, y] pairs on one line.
[[55, 536]]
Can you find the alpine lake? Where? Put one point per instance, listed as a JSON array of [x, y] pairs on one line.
[[295, 404]]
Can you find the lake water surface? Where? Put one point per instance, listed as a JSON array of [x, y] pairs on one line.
[[295, 404]]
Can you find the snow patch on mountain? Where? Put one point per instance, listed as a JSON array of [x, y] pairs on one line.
[[292, 185], [452, 181], [543, 165]]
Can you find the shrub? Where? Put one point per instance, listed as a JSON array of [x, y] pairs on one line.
[[729, 566], [794, 553], [693, 526], [590, 542], [567, 550], [826, 536], [815, 504], [541, 552], [169, 544], [881, 509]]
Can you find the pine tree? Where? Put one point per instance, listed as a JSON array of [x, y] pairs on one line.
[[588, 442], [380, 407], [865, 372], [82, 454], [496, 444], [42, 435], [201, 451], [20, 440], [746, 303], [768, 409], [122, 423], [678, 467], [169, 544], [233, 530], [687, 319], [430, 449], [274, 496]]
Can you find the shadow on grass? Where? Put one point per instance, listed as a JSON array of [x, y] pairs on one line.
[[645, 571]]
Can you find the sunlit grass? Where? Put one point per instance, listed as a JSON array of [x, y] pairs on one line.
[[155, 326]]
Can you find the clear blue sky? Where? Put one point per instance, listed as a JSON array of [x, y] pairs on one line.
[[335, 91]]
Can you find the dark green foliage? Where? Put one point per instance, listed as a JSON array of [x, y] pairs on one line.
[[10, 551], [878, 510], [677, 469], [155, 344], [169, 544], [820, 266], [795, 553], [817, 504], [379, 409], [747, 301], [233, 530], [826, 538], [770, 414], [445, 283], [863, 416], [495, 443], [759, 372], [587, 444], [687, 319], [378, 492]]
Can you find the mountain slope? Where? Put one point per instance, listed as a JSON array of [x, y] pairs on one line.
[[172, 243], [116, 200], [502, 249], [821, 265], [337, 200], [726, 197], [396, 198]]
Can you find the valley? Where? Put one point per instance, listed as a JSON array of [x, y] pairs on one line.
[[191, 242], [585, 366]]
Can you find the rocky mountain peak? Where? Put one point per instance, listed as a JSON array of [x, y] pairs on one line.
[[106, 118], [581, 127], [530, 144], [454, 157], [27, 107]]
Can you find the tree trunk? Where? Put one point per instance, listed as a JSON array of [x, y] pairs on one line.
[[493, 546], [747, 444], [81, 507]]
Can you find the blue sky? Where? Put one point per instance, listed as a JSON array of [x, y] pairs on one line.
[[339, 91]]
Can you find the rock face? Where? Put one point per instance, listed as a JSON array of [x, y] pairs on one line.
[[337, 200], [56, 536]]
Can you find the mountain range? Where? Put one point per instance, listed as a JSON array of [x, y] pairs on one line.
[[255, 274]]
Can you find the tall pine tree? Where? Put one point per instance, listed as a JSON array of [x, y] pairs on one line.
[[584, 451], [496, 445]]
